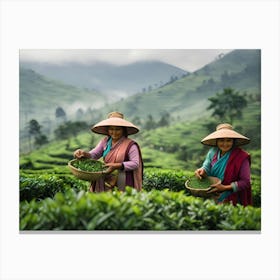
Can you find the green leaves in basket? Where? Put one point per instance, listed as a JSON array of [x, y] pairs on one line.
[[89, 165], [197, 183]]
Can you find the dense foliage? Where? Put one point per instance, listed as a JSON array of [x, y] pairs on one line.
[[228, 104], [52, 199], [38, 187], [132, 210]]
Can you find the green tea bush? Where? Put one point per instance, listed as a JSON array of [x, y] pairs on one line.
[[158, 179], [40, 186], [43, 186], [256, 190], [241, 218], [132, 210]]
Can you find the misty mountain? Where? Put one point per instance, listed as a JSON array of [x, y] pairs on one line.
[[39, 97], [113, 81], [183, 99], [187, 98]]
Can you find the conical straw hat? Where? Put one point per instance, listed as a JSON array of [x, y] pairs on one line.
[[225, 130], [114, 119]]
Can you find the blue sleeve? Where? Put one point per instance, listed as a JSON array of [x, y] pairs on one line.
[[207, 162]]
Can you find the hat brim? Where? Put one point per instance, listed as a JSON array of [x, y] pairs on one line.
[[211, 139], [102, 127]]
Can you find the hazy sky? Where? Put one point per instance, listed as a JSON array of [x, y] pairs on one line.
[[186, 59]]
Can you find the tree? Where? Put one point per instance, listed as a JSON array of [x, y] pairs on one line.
[[150, 124], [227, 105], [69, 129], [60, 115], [164, 120], [40, 140], [34, 129]]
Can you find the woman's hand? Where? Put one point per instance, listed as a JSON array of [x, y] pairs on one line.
[[81, 154], [113, 166], [200, 173], [219, 188]]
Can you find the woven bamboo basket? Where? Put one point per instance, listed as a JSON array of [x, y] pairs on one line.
[[84, 175], [203, 192]]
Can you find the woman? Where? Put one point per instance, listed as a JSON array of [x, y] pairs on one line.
[[229, 163], [121, 155]]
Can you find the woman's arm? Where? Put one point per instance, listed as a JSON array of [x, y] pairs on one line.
[[206, 166], [133, 158], [97, 152], [244, 179], [131, 164]]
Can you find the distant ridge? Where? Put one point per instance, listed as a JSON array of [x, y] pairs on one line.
[[184, 97], [39, 97], [109, 79], [187, 98]]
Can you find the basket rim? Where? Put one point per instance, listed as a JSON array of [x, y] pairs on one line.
[[205, 189], [195, 189], [82, 171]]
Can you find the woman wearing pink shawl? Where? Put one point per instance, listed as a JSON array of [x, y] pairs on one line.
[[121, 155], [227, 161]]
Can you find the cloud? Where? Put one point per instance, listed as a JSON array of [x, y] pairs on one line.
[[186, 59]]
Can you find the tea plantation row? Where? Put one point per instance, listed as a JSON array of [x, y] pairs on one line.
[[60, 202], [132, 210], [39, 186]]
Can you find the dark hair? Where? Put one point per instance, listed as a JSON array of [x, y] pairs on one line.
[[233, 144], [125, 131]]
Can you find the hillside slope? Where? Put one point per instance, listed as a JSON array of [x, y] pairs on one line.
[[39, 97], [182, 99], [187, 98], [112, 80]]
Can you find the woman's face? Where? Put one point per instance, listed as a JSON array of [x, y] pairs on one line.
[[116, 132], [225, 144]]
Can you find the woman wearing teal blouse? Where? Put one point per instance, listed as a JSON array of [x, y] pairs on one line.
[[227, 161]]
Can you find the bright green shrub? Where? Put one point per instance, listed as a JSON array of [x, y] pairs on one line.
[[40, 186], [132, 210], [158, 179], [256, 190], [241, 218], [43, 186]]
